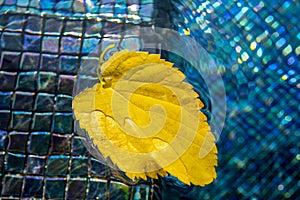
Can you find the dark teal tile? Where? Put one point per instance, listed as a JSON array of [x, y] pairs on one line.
[[12, 186], [55, 188], [97, 189], [3, 140], [12, 41], [7, 80], [73, 27], [30, 61], [44, 102], [5, 100], [10, 61], [27, 81], [79, 166], [97, 168], [14, 26], [60, 144], [15, 162], [42, 122], [34, 24], [2, 156], [47, 82], [33, 187], [53, 26], [17, 142], [63, 103], [78, 147], [76, 188], [4, 119], [23, 101], [65, 84], [63, 123], [49, 62], [21, 120], [57, 165], [32, 43], [35, 165], [69, 65], [39, 143]]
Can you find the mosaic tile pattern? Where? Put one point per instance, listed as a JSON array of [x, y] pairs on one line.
[[257, 47]]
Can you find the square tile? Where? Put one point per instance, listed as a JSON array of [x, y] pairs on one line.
[[90, 45], [39, 143], [53, 26], [79, 166], [30, 61], [5, 100], [10, 2], [12, 41], [32, 43], [47, 82], [79, 7], [48, 5], [17, 142], [23, 101], [3, 140], [63, 103], [35, 165], [49, 62], [97, 189], [33, 187], [63, 123], [55, 188], [77, 188], [4, 119], [60, 144], [88, 66], [70, 44], [7, 80], [23, 3], [69, 65], [121, 9], [12, 186], [119, 191], [112, 29], [97, 168], [93, 28], [15, 162], [57, 165], [50, 44], [10, 61], [42, 122], [2, 157], [78, 146], [63, 6], [34, 25], [26, 81], [73, 27], [44, 102], [107, 9], [17, 26], [65, 84], [21, 120]]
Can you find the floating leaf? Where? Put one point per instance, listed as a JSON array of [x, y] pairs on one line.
[[147, 120]]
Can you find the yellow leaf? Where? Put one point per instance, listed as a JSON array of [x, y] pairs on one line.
[[147, 120]]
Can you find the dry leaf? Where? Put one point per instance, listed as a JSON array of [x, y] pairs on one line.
[[147, 120]]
